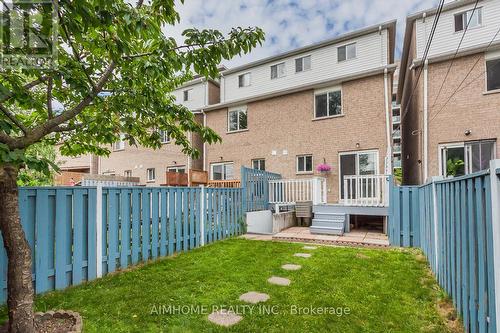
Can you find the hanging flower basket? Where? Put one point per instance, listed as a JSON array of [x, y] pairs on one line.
[[324, 168]]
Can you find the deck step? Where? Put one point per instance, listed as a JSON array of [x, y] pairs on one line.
[[327, 230], [328, 223], [330, 216]]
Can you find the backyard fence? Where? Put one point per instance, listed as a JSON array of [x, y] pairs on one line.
[[255, 184], [456, 222], [80, 233]]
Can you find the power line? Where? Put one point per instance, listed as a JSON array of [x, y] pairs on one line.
[[455, 55], [427, 47], [466, 76]]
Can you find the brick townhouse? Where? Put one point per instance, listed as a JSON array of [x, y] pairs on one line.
[[451, 124], [329, 102]]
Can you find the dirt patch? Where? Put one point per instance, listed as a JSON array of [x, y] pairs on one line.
[[55, 322], [449, 314], [362, 256]]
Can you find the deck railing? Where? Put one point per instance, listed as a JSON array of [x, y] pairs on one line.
[[235, 183], [366, 190], [289, 191]]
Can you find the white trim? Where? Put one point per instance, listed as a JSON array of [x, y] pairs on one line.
[[356, 152], [486, 73], [492, 55], [149, 180], [495, 226], [98, 230]]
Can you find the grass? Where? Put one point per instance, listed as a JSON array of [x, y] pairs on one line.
[[384, 290]]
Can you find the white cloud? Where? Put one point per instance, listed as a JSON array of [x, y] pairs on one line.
[[293, 23]]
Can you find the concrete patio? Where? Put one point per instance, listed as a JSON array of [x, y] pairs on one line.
[[360, 237]]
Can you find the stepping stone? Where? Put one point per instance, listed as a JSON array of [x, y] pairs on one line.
[[254, 297], [224, 318], [291, 267], [302, 255], [309, 247], [279, 281]]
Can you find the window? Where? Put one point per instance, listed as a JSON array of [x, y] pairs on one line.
[[302, 64], [259, 164], [244, 80], [120, 144], [304, 163], [151, 175], [164, 137], [493, 74], [459, 159], [187, 95], [462, 19], [346, 52], [328, 104], [127, 173], [178, 169], [278, 70], [222, 171], [237, 120]]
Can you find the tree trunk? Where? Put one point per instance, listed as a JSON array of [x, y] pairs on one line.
[[19, 282]]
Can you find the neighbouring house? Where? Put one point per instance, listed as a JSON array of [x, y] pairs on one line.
[[72, 168], [451, 111], [327, 103], [396, 122]]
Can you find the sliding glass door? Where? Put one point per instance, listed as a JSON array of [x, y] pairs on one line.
[[460, 159], [357, 164]]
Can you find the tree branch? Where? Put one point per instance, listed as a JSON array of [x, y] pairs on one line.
[[145, 54], [13, 118], [67, 128], [25, 87], [50, 113]]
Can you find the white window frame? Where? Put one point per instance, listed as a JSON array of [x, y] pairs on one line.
[[277, 71], [467, 154], [478, 11], [238, 110], [259, 162], [120, 144], [297, 164], [327, 91], [249, 74], [127, 173], [490, 57], [346, 45], [164, 139], [188, 93], [357, 153], [148, 178], [212, 165], [176, 168], [302, 60]]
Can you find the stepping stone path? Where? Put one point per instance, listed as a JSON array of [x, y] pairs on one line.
[[309, 247], [254, 297], [224, 318], [279, 281], [291, 267], [302, 255]]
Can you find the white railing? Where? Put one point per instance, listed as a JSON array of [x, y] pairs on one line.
[[366, 190], [289, 191]]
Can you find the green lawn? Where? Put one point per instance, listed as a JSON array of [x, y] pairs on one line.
[[384, 291]]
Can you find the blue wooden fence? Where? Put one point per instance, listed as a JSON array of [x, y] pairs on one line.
[[451, 220], [138, 224], [255, 184]]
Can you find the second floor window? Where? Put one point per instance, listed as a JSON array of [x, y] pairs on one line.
[[493, 74], [259, 164], [151, 174], [302, 64], [278, 70], [462, 19], [328, 104], [237, 120], [244, 80], [346, 52], [304, 163], [127, 173], [164, 137], [187, 95]]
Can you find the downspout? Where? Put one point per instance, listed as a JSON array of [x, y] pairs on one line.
[[388, 164], [204, 143], [426, 115], [222, 88]]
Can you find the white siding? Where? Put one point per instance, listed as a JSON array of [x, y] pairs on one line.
[[446, 40], [197, 96], [371, 53]]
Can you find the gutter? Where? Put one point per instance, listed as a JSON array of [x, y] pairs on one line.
[[388, 165]]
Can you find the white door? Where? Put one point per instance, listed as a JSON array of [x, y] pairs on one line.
[[358, 164]]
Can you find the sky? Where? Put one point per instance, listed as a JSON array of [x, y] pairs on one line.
[[290, 24]]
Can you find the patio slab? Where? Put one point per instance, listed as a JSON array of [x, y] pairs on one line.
[[224, 318]]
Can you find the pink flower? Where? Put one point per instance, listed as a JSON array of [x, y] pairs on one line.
[[323, 167]]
